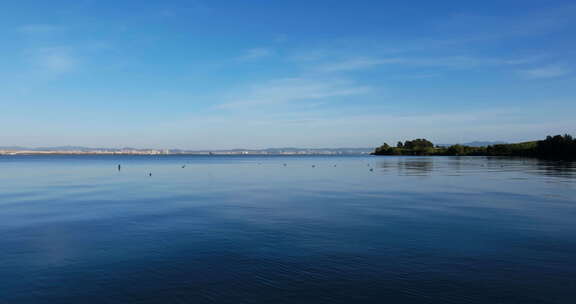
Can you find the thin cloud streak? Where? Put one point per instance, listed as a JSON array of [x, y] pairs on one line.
[[452, 62], [287, 90], [551, 71], [39, 29], [356, 64], [255, 54], [53, 60]]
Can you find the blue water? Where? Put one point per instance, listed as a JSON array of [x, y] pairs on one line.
[[246, 229]]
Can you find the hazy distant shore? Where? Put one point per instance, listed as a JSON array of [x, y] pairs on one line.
[[168, 152], [81, 150]]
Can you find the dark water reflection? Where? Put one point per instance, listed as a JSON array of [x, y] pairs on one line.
[[75, 229]]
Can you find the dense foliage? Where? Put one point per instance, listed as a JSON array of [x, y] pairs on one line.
[[417, 146], [553, 147], [558, 147]]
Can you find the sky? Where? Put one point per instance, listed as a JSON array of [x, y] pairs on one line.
[[219, 74]]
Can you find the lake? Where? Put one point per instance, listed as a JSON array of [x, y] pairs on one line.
[[286, 229]]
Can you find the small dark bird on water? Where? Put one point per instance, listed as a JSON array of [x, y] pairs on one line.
[[313, 166], [119, 167], [371, 169], [184, 166], [149, 174]]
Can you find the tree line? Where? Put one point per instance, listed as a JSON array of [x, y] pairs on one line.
[[562, 147]]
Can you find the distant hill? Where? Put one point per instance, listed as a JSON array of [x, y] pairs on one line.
[[477, 144], [483, 143]]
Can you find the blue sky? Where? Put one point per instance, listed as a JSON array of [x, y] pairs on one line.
[[260, 73]]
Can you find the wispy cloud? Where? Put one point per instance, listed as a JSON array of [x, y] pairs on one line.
[[287, 90], [356, 64], [39, 29], [308, 55], [54, 60], [256, 53], [551, 71], [451, 62]]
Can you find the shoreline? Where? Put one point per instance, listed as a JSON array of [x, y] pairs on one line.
[[15, 153]]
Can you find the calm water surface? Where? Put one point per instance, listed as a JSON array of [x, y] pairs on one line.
[[74, 229]]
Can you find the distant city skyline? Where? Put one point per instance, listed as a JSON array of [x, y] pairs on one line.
[[258, 74]]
